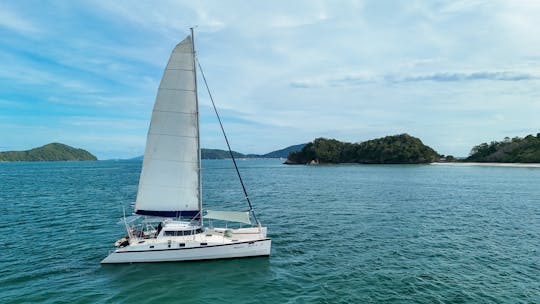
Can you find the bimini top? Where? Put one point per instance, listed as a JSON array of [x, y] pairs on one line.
[[231, 216], [169, 185]]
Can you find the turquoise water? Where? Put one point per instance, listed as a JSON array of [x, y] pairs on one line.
[[341, 234]]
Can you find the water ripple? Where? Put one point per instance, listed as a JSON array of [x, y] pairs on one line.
[[341, 234]]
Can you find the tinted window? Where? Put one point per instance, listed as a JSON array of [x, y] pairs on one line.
[[181, 233]]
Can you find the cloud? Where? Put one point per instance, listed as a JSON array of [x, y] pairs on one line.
[[19, 70], [13, 21], [450, 77], [281, 72], [459, 6], [366, 78], [169, 18], [304, 84]]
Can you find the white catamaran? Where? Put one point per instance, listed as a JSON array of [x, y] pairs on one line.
[[168, 222]]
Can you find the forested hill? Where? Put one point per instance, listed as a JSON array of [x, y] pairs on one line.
[[219, 154], [515, 150], [283, 153], [50, 152], [396, 149]]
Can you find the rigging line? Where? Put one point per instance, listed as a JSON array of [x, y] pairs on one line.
[[228, 146]]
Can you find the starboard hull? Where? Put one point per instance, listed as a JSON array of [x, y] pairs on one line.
[[215, 252]]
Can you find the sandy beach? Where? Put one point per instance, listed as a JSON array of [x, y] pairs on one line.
[[523, 165]]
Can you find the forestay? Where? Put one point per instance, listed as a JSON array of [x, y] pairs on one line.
[[169, 184]]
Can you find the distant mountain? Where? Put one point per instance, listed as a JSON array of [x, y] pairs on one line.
[[50, 152], [283, 153], [211, 154], [396, 149], [219, 154], [515, 150], [224, 154]]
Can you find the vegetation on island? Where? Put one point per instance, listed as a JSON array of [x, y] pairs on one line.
[[396, 149], [515, 150], [50, 152], [219, 154], [283, 153], [224, 154]]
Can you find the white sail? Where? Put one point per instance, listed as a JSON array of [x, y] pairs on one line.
[[169, 184]]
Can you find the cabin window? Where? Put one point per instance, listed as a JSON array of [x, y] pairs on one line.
[[204, 244], [182, 233], [182, 245], [176, 233], [151, 246]]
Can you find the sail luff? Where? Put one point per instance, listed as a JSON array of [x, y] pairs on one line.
[[169, 184], [198, 123]]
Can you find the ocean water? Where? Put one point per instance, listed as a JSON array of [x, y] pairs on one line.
[[341, 234]]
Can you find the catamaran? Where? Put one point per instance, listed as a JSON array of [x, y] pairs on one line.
[[168, 222]]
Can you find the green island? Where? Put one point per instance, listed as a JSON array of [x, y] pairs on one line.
[[224, 154], [395, 149], [49, 152], [515, 150], [219, 154], [283, 153]]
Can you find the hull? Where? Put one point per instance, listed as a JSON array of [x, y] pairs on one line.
[[212, 252]]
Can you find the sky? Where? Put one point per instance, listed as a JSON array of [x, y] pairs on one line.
[[452, 73]]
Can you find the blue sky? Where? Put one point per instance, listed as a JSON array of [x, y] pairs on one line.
[[453, 73]]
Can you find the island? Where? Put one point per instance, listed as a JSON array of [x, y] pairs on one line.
[[395, 149], [224, 154], [219, 154], [515, 150], [283, 153], [49, 152]]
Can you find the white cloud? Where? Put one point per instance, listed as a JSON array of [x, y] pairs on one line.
[[24, 72], [14, 21], [286, 72]]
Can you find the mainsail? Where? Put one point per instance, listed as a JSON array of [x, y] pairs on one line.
[[169, 185]]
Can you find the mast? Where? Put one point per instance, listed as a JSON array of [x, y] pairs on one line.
[[198, 126]]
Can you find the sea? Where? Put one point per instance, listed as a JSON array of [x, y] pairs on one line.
[[340, 234]]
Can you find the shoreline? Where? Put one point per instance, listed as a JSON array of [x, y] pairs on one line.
[[519, 165]]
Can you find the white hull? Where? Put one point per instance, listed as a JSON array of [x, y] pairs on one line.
[[242, 249]]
